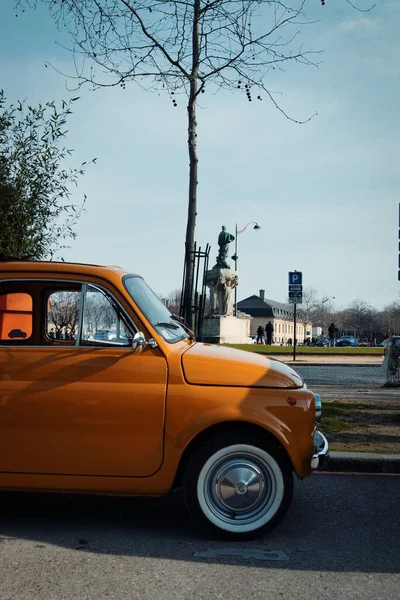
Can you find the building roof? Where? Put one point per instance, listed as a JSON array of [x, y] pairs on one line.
[[256, 307]]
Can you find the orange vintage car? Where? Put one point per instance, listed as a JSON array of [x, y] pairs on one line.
[[103, 390]]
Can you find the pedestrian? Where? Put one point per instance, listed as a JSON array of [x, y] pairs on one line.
[[260, 334], [269, 330], [331, 332]]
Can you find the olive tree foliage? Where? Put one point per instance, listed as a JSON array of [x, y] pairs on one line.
[[36, 215], [186, 48]]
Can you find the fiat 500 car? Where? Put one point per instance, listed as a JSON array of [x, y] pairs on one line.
[[147, 408]]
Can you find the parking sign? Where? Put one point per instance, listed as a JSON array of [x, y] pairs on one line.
[[295, 277]]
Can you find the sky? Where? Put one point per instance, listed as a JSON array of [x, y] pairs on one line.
[[325, 193]]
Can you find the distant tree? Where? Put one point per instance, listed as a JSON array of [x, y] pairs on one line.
[[173, 301], [63, 310], [391, 317], [306, 312], [36, 215], [357, 319]]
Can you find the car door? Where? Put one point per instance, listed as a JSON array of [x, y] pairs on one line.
[[72, 404]]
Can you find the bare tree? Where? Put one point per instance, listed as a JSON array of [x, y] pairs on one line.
[[183, 47], [357, 319], [64, 309], [306, 311], [173, 301], [391, 318]]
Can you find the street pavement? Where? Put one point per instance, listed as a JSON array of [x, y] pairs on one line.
[[340, 539], [342, 374]]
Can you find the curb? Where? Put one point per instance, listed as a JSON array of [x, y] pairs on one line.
[[363, 462]]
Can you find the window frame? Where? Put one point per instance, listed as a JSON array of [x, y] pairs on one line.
[[41, 306], [118, 309]]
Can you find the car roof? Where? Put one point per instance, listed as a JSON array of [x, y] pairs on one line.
[[39, 266]]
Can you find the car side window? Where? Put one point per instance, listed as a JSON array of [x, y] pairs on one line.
[[103, 323], [63, 315], [16, 317]]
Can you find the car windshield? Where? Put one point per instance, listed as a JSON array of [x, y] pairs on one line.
[[154, 310]]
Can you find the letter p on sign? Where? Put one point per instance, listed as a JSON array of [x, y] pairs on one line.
[[295, 277]]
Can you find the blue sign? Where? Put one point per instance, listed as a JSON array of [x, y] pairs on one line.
[[295, 277]]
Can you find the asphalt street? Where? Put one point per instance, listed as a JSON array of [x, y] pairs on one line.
[[341, 375], [340, 539]]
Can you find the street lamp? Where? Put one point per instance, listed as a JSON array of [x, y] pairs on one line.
[[235, 256], [322, 310]]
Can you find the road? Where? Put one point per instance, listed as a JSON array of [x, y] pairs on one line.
[[340, 539], [342, 375]]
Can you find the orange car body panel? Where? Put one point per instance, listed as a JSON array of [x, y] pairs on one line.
[[115, 420]]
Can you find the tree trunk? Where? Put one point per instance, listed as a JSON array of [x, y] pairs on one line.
[[193, 162]]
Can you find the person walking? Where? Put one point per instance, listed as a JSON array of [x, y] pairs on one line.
[[269, 330], [331, 332], [260, 335]]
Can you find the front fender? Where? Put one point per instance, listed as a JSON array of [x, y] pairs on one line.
[[188, 416]]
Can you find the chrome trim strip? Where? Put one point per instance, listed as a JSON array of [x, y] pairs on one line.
[[81, 312]]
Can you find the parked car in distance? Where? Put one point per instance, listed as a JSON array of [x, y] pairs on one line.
[[322, 342], [347, 340], [102, 334], [148, 411], [364, 344]]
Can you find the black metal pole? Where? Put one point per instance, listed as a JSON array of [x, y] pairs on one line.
[[295, 326], [236, 258]]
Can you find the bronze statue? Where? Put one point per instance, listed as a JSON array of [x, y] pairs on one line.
[[224, 239]]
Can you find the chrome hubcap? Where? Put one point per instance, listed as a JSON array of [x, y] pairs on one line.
[[240, 488], [238, 485]]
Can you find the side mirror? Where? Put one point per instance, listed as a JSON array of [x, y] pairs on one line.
[[138, 340]]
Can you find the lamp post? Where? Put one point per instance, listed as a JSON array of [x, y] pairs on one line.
[[322, 311], [235, 256]]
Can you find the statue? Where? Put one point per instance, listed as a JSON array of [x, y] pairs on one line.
[[225, 303], [224, 239], [221, 282]]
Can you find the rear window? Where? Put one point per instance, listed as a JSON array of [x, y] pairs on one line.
[[16, 316]]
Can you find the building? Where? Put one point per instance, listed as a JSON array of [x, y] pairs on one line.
[[281, 316]]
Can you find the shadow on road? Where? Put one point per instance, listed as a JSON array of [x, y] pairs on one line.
[[343, 523]]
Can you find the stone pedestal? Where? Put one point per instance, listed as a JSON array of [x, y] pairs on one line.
[[226, 329], [221, 282]]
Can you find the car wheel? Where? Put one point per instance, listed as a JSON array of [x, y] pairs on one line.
[[239, 485]]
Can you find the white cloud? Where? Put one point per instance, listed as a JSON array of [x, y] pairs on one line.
[[361, 23]]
